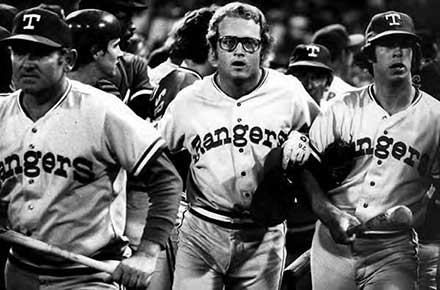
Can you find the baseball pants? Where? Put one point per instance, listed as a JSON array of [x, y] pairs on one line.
[[370, 263], [20, 279], [429, 256], [212, 257]]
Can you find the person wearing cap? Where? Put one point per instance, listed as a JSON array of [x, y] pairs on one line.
[[394, 129], [310, 63], [65, 153], [340, 44]]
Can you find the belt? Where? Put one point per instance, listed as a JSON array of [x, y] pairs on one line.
[[223, 220]]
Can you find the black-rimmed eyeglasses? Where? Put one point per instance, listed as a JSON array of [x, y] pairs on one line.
[[229, 43]]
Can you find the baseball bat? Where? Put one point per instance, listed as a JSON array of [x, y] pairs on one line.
[[16, 238], [299, 266], [395, 218]]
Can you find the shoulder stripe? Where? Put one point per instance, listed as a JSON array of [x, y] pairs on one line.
[[148, 155]]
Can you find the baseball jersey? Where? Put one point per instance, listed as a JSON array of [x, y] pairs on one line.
[[396, 155], [228, 138], [64, 174], [337, 87]]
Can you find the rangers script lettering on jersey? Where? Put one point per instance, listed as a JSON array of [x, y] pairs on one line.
[[61, 173], [396, 157], [232, 136]]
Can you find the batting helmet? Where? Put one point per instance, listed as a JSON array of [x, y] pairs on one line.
[[91, 31], [388, 24]]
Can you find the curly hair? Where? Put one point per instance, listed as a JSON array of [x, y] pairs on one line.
[[244, 11], [189, 37]]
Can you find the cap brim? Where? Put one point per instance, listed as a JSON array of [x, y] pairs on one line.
[[394, 32], [310, 64], [31, 38], [355, 39]]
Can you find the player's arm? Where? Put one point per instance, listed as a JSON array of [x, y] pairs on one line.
[[322, 133]]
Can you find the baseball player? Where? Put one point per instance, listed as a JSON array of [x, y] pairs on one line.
[[132, 77], [64, 165], [96, 37], [340, 44], [394, 128], [225, 124]]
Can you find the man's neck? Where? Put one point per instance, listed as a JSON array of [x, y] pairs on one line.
[[38, 104], [202, 69], [88, 74], [238, 88], [394, 97]]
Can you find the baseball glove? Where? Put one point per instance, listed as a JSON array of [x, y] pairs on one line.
[[274, 196], [337, 161]]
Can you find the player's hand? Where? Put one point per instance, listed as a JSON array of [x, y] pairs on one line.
[[296, 149], [338, 227], [135, 272]]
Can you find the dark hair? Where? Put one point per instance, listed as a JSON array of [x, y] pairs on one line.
[[91, 30], [244, 11], [189, 38]]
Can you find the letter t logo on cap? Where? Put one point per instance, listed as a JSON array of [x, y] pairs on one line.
[[393, 19], [29, 18], [312, 50]]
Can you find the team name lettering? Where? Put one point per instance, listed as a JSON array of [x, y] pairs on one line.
[[240, 136], [388, 147], [29, 18], [32, 163]]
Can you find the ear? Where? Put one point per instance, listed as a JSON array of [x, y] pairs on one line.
[[96, 52], [70, 57]]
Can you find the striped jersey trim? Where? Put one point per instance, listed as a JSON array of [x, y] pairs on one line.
[[148, 155], [416, 99], [147, 92]]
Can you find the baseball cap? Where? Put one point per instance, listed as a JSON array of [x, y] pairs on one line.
[[390, 23], [312, 55], [40, 26], [336, 38]]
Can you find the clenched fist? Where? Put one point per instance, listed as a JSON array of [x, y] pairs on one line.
[[296, 149]]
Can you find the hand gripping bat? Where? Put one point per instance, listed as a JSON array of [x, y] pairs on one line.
[[396, 218], [16, 238]]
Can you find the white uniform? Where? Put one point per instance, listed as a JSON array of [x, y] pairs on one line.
[[336, 89], [397, 157], [229, 140], [62, 174]]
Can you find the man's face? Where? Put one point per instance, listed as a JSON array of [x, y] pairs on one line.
[[242, 62], [393, 58], [107, 61], [36, 67], [127, 27], [314, 80]]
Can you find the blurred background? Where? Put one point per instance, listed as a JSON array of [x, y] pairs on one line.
[[292, 21]]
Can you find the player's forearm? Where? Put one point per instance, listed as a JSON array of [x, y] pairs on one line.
[[321, 204], [164, 187]]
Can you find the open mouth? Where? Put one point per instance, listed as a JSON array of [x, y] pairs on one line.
[[397, 66], [238, 63]]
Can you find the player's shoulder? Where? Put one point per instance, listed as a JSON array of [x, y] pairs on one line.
[[8, 99], [281, 80], [92, 96], [430, 102]]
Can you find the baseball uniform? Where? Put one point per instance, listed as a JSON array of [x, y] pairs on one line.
[[228, 140], [397, 156], [64, 174]]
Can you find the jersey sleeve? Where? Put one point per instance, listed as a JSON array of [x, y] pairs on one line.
[[327, 127], [304, 109], [171, 125], [133, 141]]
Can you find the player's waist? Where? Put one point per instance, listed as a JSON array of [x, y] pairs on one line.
[[222, 218]]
